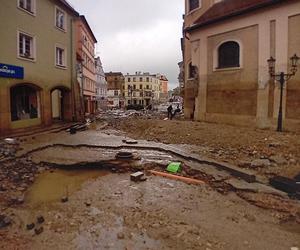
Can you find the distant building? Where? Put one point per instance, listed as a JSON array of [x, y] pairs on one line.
[[86, 58], [142, 89], [115, 84], [163, 95], [101, 85], [37, 63]]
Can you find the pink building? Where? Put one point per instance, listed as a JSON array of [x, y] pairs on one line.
[[85, 52]]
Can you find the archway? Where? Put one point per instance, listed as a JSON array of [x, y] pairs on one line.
[[61, 104]]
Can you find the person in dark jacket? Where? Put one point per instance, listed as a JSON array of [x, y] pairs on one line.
[[170, 108]]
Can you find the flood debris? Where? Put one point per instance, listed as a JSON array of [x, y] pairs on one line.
[[4, 221], [64, 199], [174, 167], [30, 226], [287, 185], [124, 155], [88, 203], [138, 176], [177, 177], [38, 230], [40, 219]]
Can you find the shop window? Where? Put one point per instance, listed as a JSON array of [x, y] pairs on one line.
[[229, 55], [24, 103], [193, 4], [26, 46], [60, 19]]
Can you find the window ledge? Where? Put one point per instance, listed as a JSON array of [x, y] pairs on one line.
[[61, 67], [62, 30], [227, 69], [27, 11], [33, 60]]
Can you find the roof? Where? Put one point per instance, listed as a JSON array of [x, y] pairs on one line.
[[69, 7], [113, 74], [230, 8], [88, 27]]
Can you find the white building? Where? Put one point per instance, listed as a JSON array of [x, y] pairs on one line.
[[101, 85]]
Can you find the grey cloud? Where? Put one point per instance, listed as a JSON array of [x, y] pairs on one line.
[[136, 35]]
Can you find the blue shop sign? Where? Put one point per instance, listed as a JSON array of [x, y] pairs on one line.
[[11, 71]]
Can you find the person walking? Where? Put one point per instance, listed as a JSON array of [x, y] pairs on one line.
[[170, 115]]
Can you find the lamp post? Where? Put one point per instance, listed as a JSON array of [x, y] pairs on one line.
[[282, 78]]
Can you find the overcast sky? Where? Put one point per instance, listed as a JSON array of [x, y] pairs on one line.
[[136, 35]]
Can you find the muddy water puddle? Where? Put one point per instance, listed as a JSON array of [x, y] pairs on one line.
[[50, 187]]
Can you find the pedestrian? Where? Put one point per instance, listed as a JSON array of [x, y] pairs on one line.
[[170, 108]]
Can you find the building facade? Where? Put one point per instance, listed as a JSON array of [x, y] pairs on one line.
[[85, 54], [226, 47], [142, 89], [164, 88], [37, 63], [101, 85], [115, 85]]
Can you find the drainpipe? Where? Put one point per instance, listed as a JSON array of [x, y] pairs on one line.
[[72, 75]]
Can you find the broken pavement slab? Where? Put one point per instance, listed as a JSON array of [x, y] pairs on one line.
[[138, 176]]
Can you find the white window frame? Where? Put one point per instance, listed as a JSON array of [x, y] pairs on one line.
[[216, 56], [64, 65], [33, 46], [33, 7], [191, 11], [64, 29]]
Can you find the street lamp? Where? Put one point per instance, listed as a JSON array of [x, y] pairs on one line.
[[282, 78]]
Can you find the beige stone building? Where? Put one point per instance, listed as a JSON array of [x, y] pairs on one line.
[[142, 89], [37, 63], [226, 46], [115, 89]]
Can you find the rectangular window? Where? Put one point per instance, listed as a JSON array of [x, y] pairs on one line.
[[147, 79], [134, 79], [141, 86], [26, 46], [60, 19], [60, 57], [27, 5], [128, 79], [193, 4], [116, 93], [141, 79]]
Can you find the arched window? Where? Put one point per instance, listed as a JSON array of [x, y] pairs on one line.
[[24, 103], [229, 55]]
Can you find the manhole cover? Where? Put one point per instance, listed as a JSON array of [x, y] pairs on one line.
[[124, 155]]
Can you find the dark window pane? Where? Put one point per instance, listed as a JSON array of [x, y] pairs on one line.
[[229, 55], [194, 4]]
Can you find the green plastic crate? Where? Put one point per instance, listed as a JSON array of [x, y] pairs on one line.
[[174, 167]]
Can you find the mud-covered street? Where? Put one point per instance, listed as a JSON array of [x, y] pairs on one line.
[[87, 200]]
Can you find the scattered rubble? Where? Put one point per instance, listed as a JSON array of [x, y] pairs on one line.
[[4, 221]]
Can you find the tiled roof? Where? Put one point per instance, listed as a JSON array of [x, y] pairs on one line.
[[230, 8]]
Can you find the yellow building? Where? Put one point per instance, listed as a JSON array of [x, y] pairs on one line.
[[142, 89], [226, 47], [37, 63]]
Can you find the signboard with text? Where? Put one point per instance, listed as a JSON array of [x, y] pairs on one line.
[[11, 71]]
